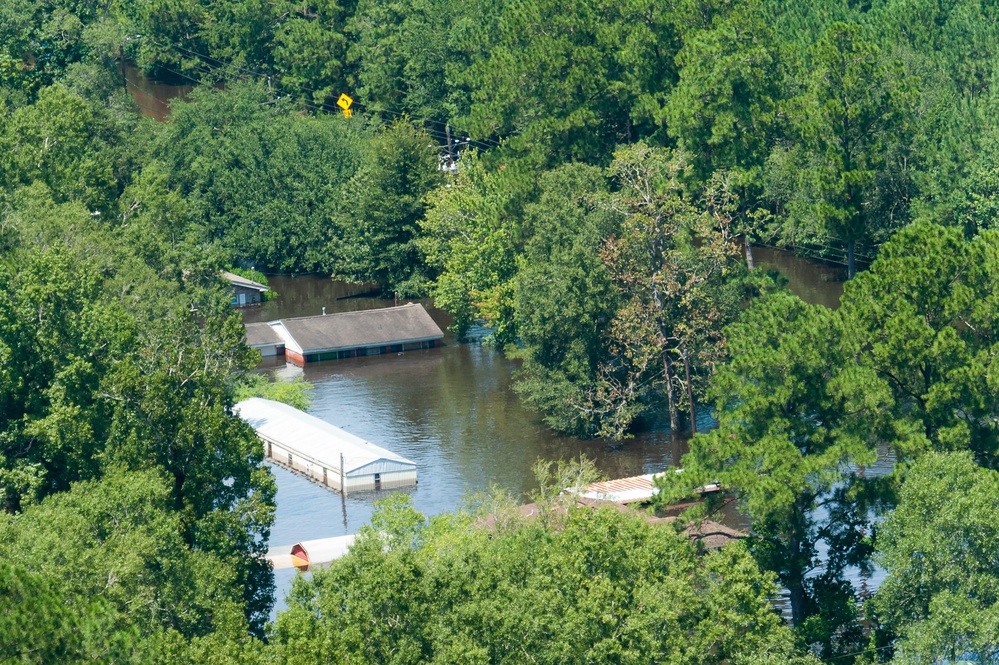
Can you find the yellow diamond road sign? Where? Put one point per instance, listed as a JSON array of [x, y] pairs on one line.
[[344, 102]]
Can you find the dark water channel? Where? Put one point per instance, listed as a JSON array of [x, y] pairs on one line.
[[452, 411]]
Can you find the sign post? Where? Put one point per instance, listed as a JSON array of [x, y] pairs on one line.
[[344, 102]]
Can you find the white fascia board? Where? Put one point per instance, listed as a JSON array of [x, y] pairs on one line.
[[282, 332]]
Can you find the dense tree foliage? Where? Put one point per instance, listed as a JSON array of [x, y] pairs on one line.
[[37, 626], [125, 474], [811, 395], [941, 543], [580, 180], [568, 586]]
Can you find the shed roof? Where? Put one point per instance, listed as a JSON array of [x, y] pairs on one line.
[[370, 327], [317, 439], [637, 489], [261, 334], [239, 280]]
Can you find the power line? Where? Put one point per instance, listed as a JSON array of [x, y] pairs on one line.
[[857, 653], [827, 259]]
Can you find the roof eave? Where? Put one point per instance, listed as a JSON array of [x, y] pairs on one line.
[[375, 344]]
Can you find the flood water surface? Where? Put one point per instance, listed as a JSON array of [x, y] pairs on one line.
[[451, 410], [815, 282], [152, 97]]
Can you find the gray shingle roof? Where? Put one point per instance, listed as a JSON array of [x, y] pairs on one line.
[[261, 334], [371, 327], [238, 280]]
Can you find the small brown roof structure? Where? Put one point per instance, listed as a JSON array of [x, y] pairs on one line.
[[353, 330], [636, 489], [712, 535], [261, 334], [238, 280]]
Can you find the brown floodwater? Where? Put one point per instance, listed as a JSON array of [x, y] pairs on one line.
[[452, 410], [151, 96], [815, 282]]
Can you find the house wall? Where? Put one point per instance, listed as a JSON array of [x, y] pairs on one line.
[[301, 358], [386, 481], [330, 477], [250, 296], [268, 350]]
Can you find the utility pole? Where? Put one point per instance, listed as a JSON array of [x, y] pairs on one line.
[[450, 152]]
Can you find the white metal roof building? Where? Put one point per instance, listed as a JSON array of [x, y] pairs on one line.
[[323, 452]]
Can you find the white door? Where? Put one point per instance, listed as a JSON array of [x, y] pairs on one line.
[[242, 298]]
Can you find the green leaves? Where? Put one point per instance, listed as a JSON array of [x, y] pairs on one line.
[[117, 540], [38, 626], [920, 318], [564, 297], [265, 183], [601, 587], [809, 395], [724, 109], [939, 545], [470, 238], [675, 264], [855, 105], [57, 140], [378, 223]]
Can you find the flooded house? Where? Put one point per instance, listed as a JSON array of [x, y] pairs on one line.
[[322, 452], [244, 291], [346, 334]]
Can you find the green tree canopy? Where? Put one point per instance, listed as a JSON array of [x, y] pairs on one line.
[[564, 296], [583, 586], [941, 594], [383, 204], [855, 104]]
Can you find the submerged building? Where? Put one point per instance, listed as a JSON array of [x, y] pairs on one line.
[[346, 334], [322, 452], [244, 291]]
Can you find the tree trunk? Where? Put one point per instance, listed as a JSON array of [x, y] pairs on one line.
[[674, 412], [750, 262], [796, 568], [796, 589], [690, 392], [851, 269]]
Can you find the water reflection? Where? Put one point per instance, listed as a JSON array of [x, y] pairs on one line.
[[451, 411]]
